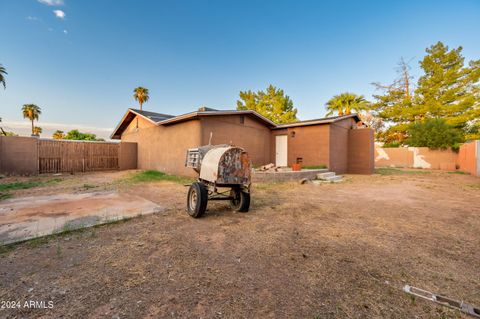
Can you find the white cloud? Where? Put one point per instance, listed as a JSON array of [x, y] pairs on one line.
[[59, 14], [51, 2], [32, 18], [65, 31]]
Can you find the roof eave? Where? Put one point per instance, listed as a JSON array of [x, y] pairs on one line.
[[347, 117], [113, 135], [317, 122]]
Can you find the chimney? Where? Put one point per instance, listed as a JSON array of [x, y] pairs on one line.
[[205, 109]]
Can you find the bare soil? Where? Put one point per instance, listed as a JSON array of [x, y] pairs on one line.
[[303, 251]]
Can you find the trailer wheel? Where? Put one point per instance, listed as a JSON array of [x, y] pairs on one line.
[[240, 201], [197, 200]]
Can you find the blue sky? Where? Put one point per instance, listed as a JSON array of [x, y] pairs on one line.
[[81, 65]]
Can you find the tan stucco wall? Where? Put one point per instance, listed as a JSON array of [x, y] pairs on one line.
[[361, 151], [138, 123], [469, 158], [416, 157], [164, 147], [339, 145], [252, 135], [127, 156], [18, 155], [310, 143]]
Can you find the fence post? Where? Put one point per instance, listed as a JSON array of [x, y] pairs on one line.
[[83, 158], [38, 156]]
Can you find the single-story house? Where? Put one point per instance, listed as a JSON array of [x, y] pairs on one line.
[[340, 142]]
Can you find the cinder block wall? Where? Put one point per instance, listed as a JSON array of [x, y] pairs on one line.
[[164, 148], [242, 131], [339, 141], [310, 143], [18, 155], [469, 158], [361, 151], [416, 157], [477, 154]]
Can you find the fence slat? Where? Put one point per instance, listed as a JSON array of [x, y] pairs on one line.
[[67, 156]]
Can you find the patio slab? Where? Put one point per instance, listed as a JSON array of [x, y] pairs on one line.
[[29, 217]]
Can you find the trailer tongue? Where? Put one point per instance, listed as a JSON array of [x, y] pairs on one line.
[[224, 174]]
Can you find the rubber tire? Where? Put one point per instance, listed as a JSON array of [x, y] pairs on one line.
[[242, 204], [201, 203]]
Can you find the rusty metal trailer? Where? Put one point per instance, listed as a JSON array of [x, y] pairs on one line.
[[224, 174]]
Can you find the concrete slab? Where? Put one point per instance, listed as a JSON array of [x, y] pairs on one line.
[[325, 175], [30, 217], [282, 176], [334, 178], [320, 181]]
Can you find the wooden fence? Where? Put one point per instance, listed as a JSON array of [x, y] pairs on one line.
[[62, 156], [27, 156]]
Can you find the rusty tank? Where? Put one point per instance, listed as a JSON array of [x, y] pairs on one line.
[[224, 173]]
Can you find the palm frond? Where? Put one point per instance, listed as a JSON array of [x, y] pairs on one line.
[[31, 111], [3, 72]]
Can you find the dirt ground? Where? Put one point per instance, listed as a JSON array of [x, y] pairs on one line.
[[303, 251]]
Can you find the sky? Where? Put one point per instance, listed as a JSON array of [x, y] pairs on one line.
[[80, 60]]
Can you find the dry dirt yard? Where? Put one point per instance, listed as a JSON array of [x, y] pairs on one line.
[[303, 251]]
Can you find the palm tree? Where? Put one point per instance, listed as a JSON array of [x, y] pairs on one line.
[[346, 102], [37, 130], [2, 76], [58, 135], [140, 94], [334, 104], [1, 129], [31, 112]]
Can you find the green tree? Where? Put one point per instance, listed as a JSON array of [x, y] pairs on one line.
[[394, 105], [31, 112], [58, 135], [79, 136], [434, 133], [3, 72], [448, 89], [345, 103], [271, 103], [141, 95]]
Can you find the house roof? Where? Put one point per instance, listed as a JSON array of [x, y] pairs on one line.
[[212, 112], [324, 120], [165, 119], [152, 117]]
